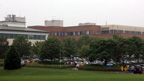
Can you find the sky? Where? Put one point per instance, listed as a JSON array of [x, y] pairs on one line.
[[73, 12]]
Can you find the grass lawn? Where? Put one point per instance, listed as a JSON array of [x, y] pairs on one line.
[[47, 74]]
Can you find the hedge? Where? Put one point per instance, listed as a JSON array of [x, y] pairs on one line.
[[99, 68], [36, 64]]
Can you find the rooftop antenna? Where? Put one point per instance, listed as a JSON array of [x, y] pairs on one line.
[[106, 22]]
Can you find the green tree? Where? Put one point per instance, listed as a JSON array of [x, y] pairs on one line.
[[136, 47], [36, 48], [3, 46], [84, 51], [102, 49], [22, 45], [70, 47], [121, 49], [84, 40], [12, 60], [50, 49]]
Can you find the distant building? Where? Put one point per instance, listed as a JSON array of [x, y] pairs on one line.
[[14, 26], [13, 21], [73, 31], [32, 35], [109, 29], [54, 23], [104, 31]]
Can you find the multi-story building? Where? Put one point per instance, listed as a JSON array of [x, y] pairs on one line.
[[105, 31], [74, 31], [13, 27], [32, 35]]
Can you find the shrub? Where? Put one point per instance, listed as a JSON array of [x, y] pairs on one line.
[[49, 66], [51, 62], [12, 60], [99, 68]]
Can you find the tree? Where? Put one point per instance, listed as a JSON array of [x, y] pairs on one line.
[[121, 49], [102, 49], [50, 49], [136, 47], [22, 45], [84, 51], [3, 46], [36, 48], [70, 47], [84, 40], [12, 60]]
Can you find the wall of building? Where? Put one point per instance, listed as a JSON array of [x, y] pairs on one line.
[[32, 41], [124, 35]]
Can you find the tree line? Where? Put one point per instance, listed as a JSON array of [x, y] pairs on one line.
[[118, 48]]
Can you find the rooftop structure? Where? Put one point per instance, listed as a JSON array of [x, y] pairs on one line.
[[13, 21], [86, 24], [54, 23]]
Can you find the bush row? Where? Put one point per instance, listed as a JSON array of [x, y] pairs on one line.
[[99, 68], [51, 62], [48, 66]]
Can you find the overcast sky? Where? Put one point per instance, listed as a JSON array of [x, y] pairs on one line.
[[120, 12]]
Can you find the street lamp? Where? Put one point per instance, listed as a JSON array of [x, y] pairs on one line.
[[60, 54]]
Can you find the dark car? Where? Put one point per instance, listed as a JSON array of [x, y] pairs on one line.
[[131, 68], [137, 69]]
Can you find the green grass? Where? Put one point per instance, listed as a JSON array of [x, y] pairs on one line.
[[47, 74]]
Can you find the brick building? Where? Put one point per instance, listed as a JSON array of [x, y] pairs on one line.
[[106, 31], [74, 31]]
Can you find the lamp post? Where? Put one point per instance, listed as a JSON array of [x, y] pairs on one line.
[[60, 54]]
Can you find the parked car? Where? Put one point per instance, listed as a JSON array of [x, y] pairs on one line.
[[23, 63], [138, 69], [131, 68], [142, 65]]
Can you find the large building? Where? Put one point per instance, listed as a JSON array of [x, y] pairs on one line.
[[32, 35], [105, 31], [74, 31], [14, 26]]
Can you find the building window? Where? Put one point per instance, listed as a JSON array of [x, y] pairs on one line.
[[13, 36], [61, 33], [78, 32], [118, 31], [74, 33], [105, 32], [87, 32], [55, 33], [49, 34]]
